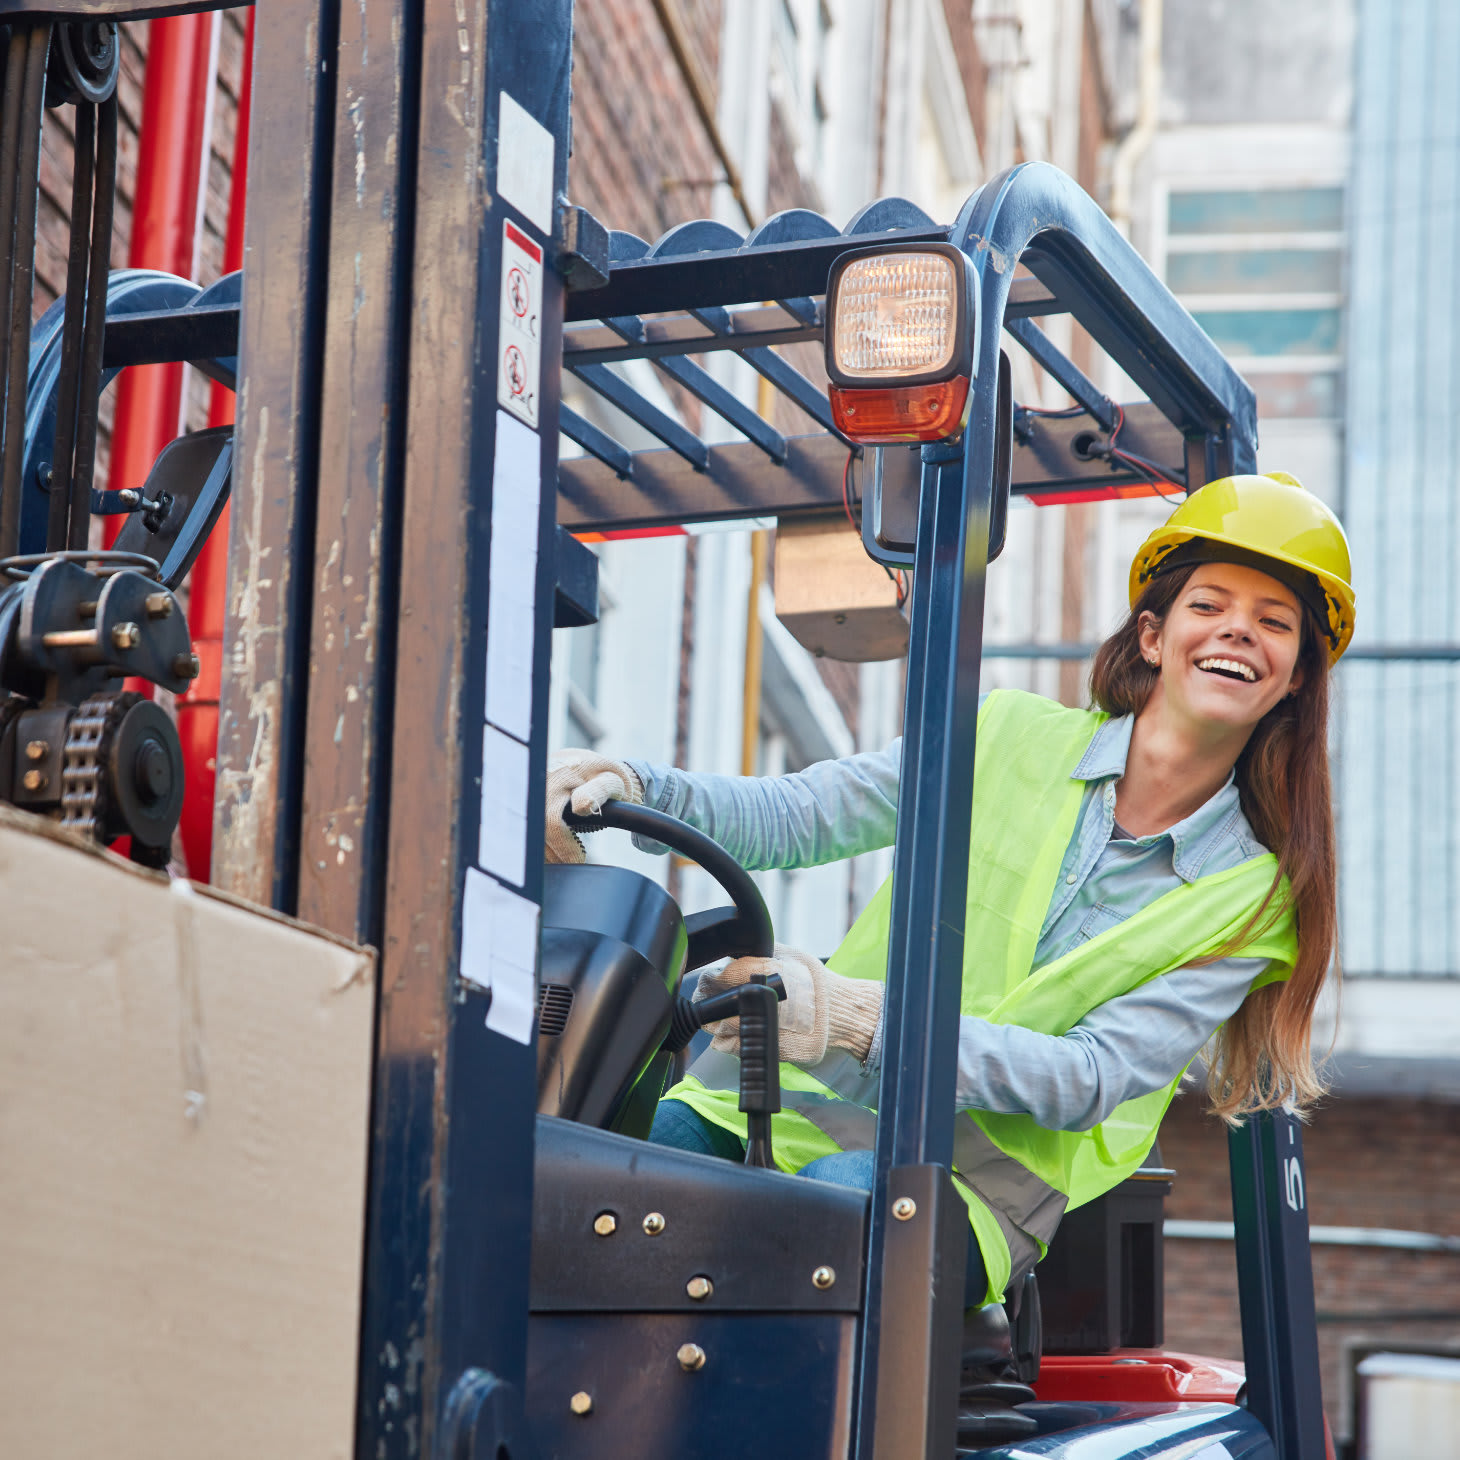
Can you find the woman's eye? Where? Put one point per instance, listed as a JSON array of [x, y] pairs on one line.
[[1204, 606], [1280, 624]]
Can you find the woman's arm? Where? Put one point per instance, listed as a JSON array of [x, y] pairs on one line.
[[1127, 1047], [831, 810]]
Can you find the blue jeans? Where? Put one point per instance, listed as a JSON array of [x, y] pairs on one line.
[[677, 1125]]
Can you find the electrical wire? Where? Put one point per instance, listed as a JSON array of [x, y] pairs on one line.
[[1158, 476], [1067, 412], [846, 489], [898, 577]]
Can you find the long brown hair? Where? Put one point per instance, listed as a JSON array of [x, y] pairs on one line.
[[1262, 1057]]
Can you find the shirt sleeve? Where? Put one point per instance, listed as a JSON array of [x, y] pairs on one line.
[[1127, 1047], [830, 810]]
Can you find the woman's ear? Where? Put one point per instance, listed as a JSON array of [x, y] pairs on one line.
[[1148, 635]]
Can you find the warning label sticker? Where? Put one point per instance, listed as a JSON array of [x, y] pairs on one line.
[[519, 331]]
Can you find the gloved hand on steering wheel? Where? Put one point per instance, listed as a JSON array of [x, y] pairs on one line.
[[584, 780], [821, 1009]]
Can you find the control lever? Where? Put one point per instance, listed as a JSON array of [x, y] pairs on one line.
[[754, 1004]]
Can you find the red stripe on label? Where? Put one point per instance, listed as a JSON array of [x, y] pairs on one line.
[[523, 241]]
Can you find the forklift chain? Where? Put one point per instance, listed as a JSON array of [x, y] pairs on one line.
[[88, 738]]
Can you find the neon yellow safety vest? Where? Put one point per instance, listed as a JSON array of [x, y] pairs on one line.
[[1016, 1177]]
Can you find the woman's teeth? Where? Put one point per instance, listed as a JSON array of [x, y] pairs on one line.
[[1229, 667]]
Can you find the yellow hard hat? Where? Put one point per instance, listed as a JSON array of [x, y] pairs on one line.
[[1266, 522]]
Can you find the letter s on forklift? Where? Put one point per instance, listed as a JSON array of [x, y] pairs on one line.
[[650, 1303]]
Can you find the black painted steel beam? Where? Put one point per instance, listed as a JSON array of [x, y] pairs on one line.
[[658, 423], [599, 444], [1069, 375], [181, 334], [704, 387], [730, 276]]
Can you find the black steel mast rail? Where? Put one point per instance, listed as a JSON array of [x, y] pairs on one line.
[[745, 275]]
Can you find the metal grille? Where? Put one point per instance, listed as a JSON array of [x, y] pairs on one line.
[[553, 1007]]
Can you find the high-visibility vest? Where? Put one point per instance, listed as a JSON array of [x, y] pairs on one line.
[[1016, 1177]]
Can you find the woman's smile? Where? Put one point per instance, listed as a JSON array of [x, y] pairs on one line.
[[1228, 648]]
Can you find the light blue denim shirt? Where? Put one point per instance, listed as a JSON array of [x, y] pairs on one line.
[[1127, 1047]]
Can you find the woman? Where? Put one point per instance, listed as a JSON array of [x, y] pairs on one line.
[[1146, 879]]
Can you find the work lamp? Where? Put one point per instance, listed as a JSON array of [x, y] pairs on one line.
[[899, 342]]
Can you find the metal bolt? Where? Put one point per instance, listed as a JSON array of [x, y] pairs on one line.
[[159, 605], [653, 1224], [823, 1278], [841, 618], [581, 1402], [605, 1224], [86, 608], [125, 635], [185, 666], [691, 1357], [33, 780], [36, 750], [904, 1207], [699, 1288]]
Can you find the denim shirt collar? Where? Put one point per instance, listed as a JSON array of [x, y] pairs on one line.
[[1192, 839]]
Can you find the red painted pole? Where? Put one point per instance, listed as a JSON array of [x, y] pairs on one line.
[[176, 97], [197, 710]]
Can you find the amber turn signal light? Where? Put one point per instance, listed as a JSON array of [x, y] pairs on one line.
[[900, 342], [901, 413]]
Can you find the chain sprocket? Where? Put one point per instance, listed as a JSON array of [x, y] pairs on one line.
[[83, 782]]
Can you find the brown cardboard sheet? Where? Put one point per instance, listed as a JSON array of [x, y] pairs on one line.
[[184, 1103]]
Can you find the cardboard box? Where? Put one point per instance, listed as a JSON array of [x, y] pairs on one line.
[[184, 1109]]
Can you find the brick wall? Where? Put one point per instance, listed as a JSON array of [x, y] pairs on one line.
[[1370, 1163]]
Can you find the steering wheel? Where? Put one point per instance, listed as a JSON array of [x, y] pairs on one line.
[[741, 930], [736, 931]]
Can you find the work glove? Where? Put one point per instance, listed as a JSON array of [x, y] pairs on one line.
[[821, 1008], [584, 780]]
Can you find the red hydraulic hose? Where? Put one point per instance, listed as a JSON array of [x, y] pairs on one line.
[[166, 214], [197, 710]]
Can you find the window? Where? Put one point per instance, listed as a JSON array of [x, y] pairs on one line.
[[1261, 270]]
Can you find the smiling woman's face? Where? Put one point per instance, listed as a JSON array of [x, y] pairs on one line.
[[1228, 647]]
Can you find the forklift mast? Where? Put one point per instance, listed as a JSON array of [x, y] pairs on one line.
[[416, 282]]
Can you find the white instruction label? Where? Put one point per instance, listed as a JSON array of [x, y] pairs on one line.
[[512, 595], [499, 952], [525, 162], [519, 330]]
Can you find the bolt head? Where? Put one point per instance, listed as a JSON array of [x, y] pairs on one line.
[[159, 605], [904, 1207], [823, 1277], [699, 1288], [654, 1224], [605, 1224], [185, 666], [33, 780], [36, 750], [125, 635], [581, 1402], [691, 1357]]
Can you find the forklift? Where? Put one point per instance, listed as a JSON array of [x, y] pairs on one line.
[[405, 540]]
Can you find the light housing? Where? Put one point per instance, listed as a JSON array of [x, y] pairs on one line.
[[900, 339]]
